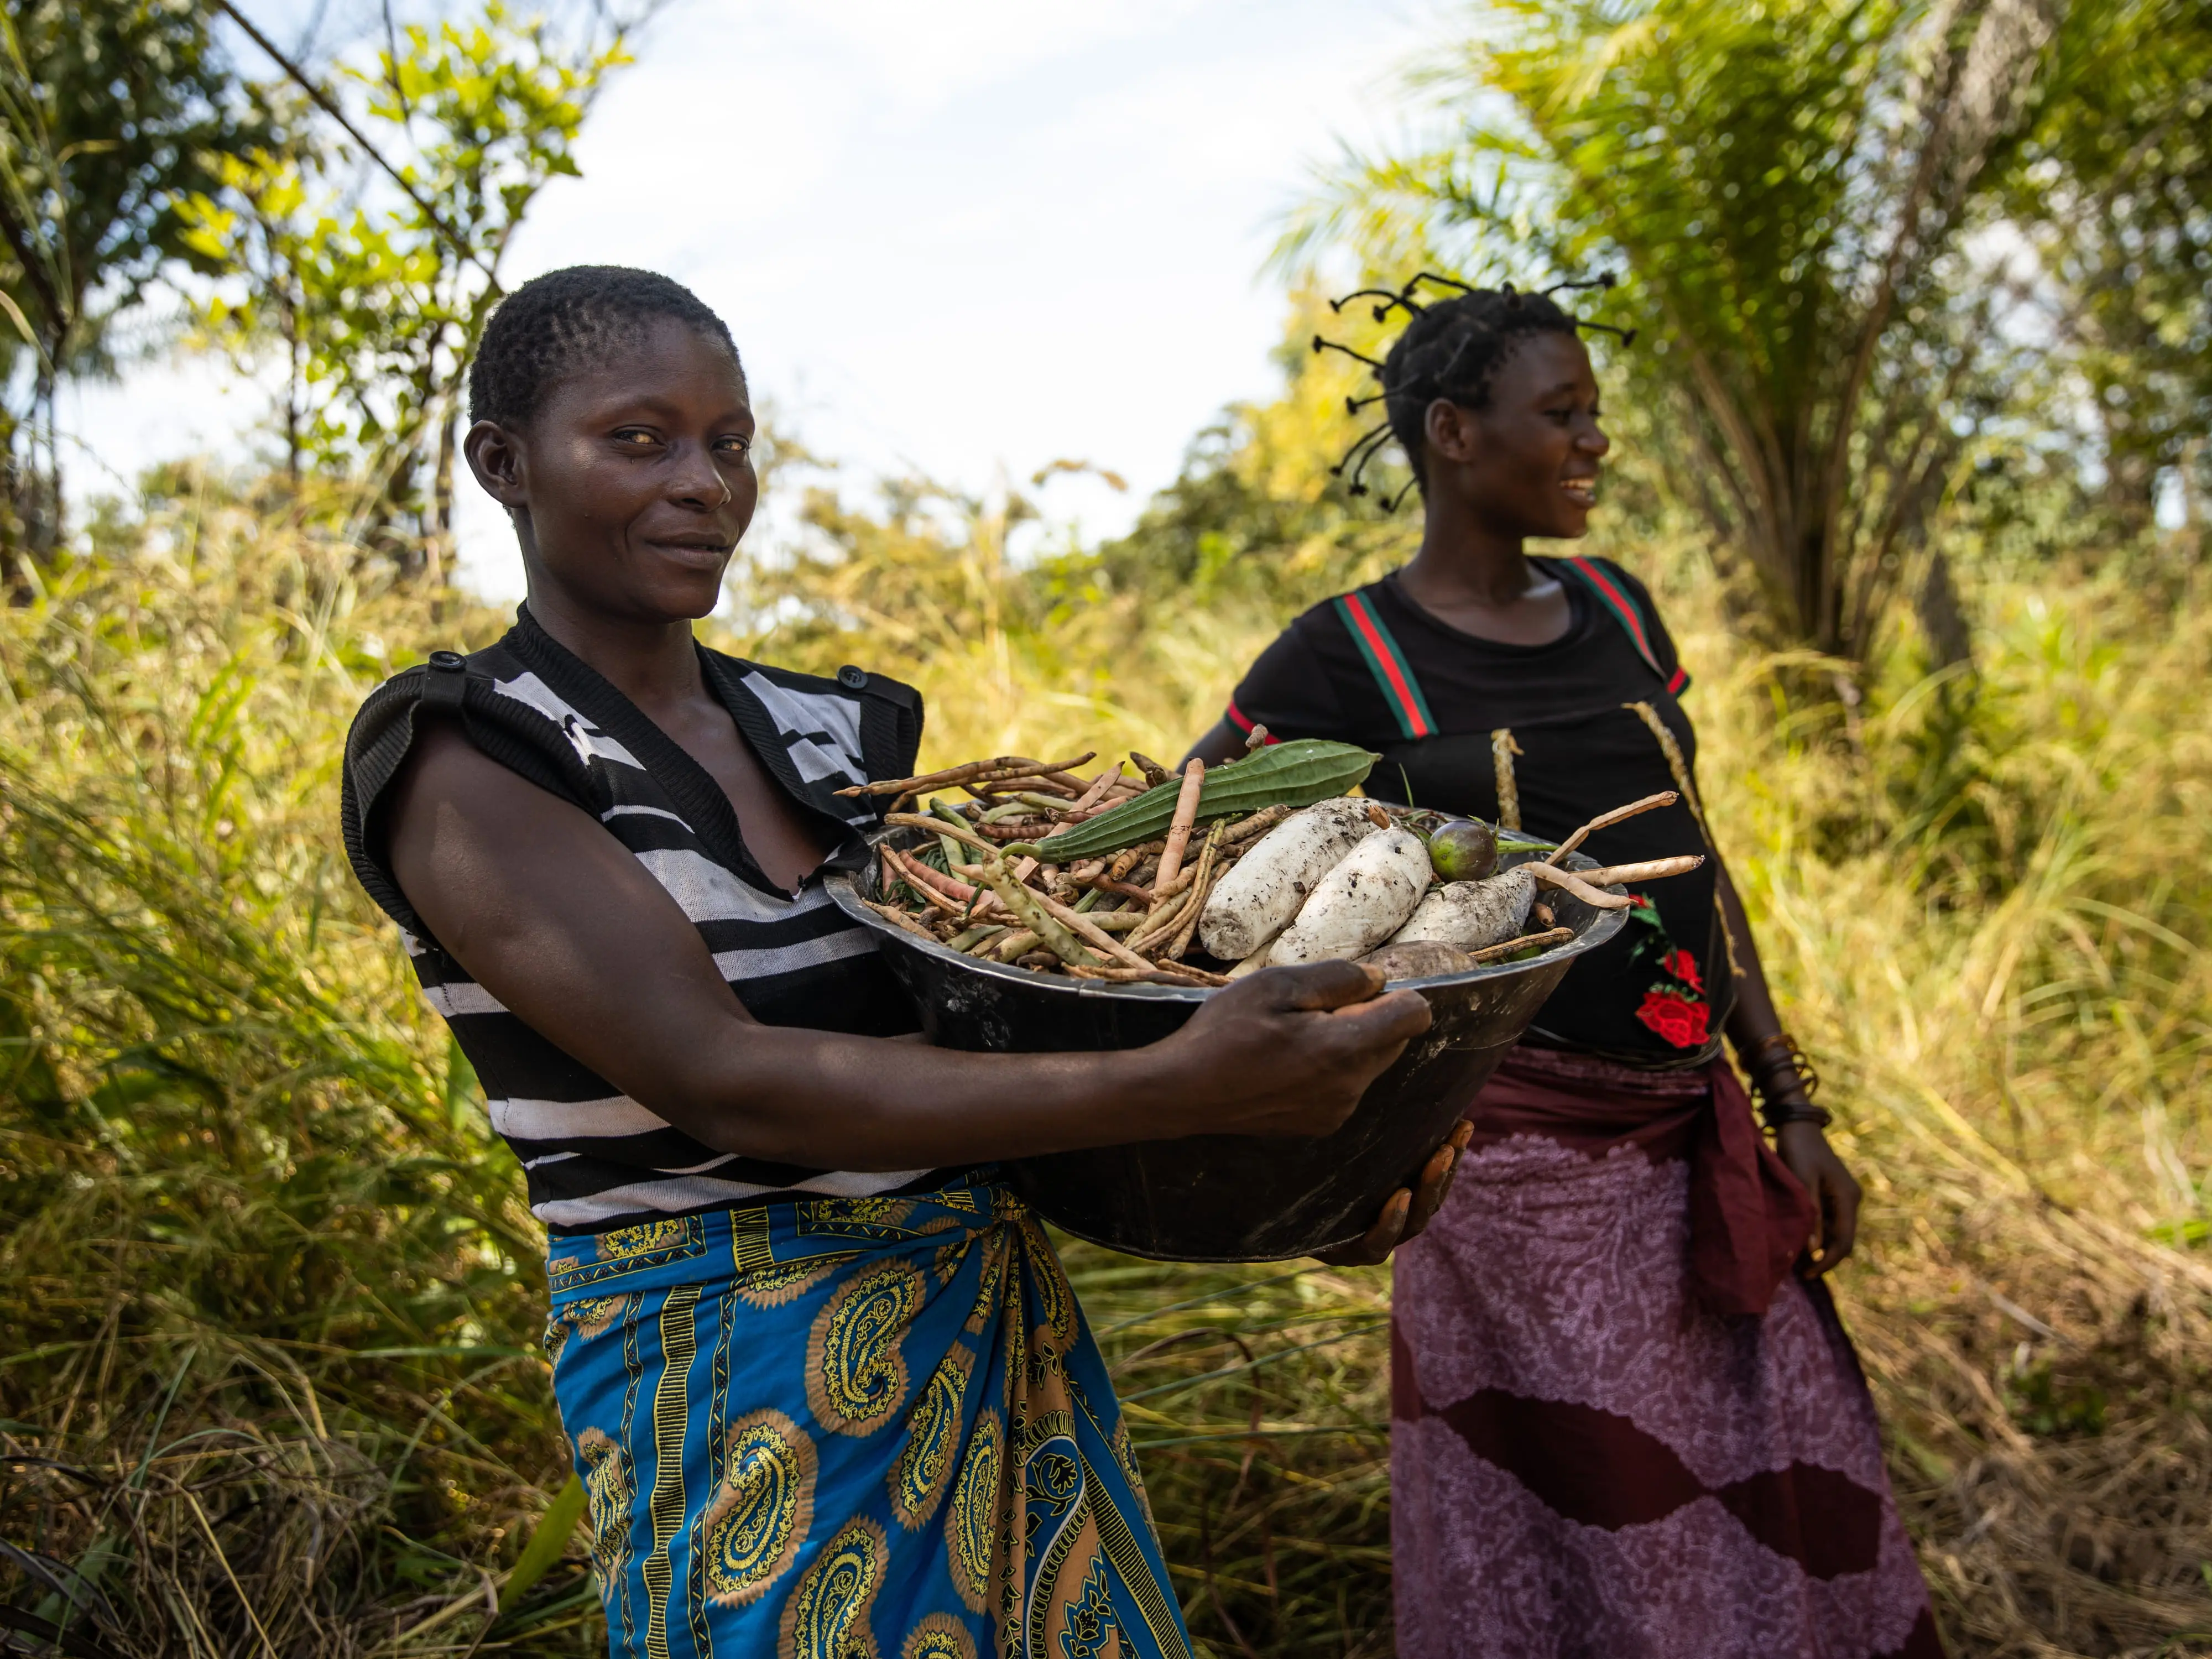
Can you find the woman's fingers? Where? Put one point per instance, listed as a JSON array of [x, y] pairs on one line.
[[1834, 1193], [1348, 990], [1839, 1217], [1291, 1051], [1434, 1184], [1379, 1239], [1409, 1210], [1314, 986], [1836, 1200]]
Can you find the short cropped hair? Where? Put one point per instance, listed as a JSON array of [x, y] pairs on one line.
[[554, 324]]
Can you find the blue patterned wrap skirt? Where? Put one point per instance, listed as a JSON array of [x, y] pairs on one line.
[[873, 1428]]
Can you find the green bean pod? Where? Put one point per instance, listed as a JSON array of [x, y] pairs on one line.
[[1294, 774]]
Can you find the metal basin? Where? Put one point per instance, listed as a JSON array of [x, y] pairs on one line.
[[1227, 1198]]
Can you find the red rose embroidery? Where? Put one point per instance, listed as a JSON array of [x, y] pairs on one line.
[[1681, 964], [1676, 1019]]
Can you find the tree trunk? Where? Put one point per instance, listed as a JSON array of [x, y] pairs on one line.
[[1942, 617], [38, 504], [294, 392], [441, 539]]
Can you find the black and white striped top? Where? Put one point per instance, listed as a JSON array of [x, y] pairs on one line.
[[597, 1159]]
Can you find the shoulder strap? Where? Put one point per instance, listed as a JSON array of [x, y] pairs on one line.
[[1614, 597], [1393, 675], [512, 732], [823, 733], [890, 722]]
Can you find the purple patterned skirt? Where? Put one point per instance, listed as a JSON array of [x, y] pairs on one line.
[[1588, 1457]]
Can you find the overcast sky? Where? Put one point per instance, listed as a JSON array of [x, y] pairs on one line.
[[957, 238]]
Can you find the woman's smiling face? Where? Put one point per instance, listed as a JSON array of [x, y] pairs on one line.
[[1527, 463], [632, 482]]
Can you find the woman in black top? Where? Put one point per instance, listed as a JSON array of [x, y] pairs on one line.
[[1623, 1425], [825, 1382]]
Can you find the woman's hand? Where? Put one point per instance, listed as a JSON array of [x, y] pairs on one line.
[[1409, 1210], [1286, 1052], [1835, 1193], [1802, 1147]]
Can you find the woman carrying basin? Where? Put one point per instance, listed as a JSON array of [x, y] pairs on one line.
[[822, 1375], [1627, 1419]]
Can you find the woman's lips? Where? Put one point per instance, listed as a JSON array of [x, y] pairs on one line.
[[1581, 491], [697, 558]]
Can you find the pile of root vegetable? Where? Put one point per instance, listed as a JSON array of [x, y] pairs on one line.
[[1197, 880]]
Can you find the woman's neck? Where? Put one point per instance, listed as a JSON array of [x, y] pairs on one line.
[[654, 664], [1464, 562]]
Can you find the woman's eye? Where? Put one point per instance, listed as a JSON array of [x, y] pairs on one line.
[[636, 437], [734, 446]]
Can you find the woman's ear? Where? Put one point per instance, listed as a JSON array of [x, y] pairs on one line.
[[1450, 431], [494, 456]]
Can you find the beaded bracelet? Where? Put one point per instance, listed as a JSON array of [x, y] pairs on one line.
[[1777, 1117], [1779, 1068]]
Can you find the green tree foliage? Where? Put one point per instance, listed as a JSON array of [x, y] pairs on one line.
[[373, 296], [2116, 195], [1790, 185], [111, 112]]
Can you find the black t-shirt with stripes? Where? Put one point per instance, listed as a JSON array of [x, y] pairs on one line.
[[1372, 667], [596, 1159]]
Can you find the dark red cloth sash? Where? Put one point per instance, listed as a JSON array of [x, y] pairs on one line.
[[1750, 1219]]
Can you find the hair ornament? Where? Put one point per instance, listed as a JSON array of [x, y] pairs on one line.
[[1370, 442], [1604, 279], [1319, 345], [1389, 298], [1445, 282]]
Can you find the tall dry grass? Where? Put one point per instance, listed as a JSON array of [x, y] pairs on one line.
[[271, 1384], [269, 1381]]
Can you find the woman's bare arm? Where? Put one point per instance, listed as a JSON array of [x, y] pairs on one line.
[[557, 920], [1803, 1148], [1223, 743]]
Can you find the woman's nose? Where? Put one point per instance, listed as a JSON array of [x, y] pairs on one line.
[[699, 481]]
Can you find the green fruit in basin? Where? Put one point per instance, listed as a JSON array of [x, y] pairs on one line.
[[1463, 850]]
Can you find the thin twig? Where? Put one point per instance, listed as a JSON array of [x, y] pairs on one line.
[[1580, 889], [1258, 824], [1497, 952], [1605, 820], [1614, 875], [930, 894], [1005, 768], [899, 918], [330, 107], [1201, 888], [1186, 814], [1089, 930], [1170, 973], [224, 1561]]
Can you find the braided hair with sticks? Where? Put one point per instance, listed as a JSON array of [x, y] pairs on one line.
[[567, 317], [1452, 349]]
